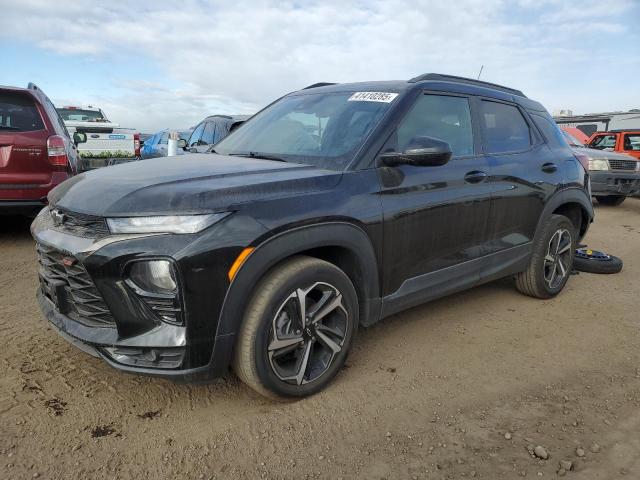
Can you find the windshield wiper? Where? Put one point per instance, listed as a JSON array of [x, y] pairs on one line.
[[7, 127], [261, 156]]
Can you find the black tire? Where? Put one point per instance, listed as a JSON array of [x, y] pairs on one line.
[[538, 280], [591, 261], [610, 200], [273, 316]]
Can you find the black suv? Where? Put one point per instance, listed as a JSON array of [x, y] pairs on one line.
[[332, 208]]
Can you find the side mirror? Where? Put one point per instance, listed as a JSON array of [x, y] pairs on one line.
[[79, 137], [421, 152], [182, 143]]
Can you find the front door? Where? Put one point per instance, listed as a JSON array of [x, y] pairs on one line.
[[434, 217]]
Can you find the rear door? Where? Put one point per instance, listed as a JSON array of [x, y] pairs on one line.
[[24, 166], [525, 172]]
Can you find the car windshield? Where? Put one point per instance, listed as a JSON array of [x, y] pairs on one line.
[[79, 115], [324, 130], [603, 142], [573, 141]]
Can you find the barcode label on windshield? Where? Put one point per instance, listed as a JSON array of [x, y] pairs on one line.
[[384, 97]]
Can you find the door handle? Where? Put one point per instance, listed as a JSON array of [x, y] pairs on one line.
[[549, 168], [475, 176]]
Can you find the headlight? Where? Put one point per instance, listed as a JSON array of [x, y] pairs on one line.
[[598, 165], [155, 276], [164, 224]]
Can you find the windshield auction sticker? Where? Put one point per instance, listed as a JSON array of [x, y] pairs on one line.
[[384, 97]]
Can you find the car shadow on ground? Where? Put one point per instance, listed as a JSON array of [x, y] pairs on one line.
[[15, 227]]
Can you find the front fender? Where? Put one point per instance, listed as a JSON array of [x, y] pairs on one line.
[[275, 249]]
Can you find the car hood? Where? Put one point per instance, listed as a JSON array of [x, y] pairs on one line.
[[595, 154], [194, 183]]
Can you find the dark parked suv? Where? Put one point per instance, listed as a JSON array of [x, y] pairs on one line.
[[36, 153], [330, 209]]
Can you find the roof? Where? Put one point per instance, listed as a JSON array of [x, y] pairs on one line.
[[468, 81], [435, 81], [234, 118]]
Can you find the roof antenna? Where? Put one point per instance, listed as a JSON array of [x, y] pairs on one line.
[[480, 73]]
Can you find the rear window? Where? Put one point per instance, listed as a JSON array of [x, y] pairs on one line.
[[505, 129], [79, 115], [19, 113]]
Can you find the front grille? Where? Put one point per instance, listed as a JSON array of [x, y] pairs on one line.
[[79, 224], [65, 281], [623, 164]]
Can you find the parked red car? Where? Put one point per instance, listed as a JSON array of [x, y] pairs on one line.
[[36, 152], [577, 134]]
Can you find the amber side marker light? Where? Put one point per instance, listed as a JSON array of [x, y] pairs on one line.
[[239, 261]]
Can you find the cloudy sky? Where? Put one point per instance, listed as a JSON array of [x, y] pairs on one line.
[[156, 64]]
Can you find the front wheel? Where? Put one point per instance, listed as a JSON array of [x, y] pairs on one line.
[[610, 200], [552, 259], [297, 329]]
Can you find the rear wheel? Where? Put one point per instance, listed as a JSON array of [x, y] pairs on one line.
[[297, 330], [610, 200], [552, 260]]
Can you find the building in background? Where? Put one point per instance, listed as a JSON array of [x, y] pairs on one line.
[[599, 122]]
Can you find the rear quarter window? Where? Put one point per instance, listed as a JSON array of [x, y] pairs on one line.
[[550, 131], [19, 113]]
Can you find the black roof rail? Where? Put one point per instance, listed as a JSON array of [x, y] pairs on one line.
[[319, 84], [469, 81], [32, 86], [620, 130]]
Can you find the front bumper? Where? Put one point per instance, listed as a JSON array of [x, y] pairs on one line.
[[614, 183], [137, 341], [95, 342]]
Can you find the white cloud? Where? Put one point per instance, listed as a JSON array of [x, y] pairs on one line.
[[223, 57]]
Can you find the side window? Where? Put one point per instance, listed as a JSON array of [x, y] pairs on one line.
[[550, 130], [505, 129], [164, 138], [603, 142], [222, 130], [195, 136], [632, 142], [438, 116], [207, 134]]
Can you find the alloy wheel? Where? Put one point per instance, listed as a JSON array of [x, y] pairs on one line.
[[558, 258], [307, 333]]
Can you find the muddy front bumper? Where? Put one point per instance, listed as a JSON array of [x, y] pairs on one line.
[[105, 344], [84, 297]]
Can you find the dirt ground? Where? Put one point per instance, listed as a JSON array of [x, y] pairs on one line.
[[460, 388]]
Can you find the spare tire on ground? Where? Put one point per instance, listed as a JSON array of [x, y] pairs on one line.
[[593, 261]]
